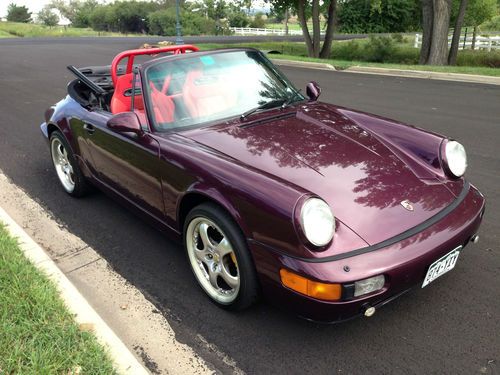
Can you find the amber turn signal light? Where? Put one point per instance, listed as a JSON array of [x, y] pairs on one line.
[[314, 289]]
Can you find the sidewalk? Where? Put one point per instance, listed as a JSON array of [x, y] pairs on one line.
[[135, 332], [85, 315]]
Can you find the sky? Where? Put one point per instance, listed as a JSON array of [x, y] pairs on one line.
[[36, 5], [33, 5]]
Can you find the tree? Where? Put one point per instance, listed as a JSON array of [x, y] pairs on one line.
[[435, 26], [452, 57], [18, 13], [470, 13], [48, 17], [378, 16], [479, 11], [312, 9]]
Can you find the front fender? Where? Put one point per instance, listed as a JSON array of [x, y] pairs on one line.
[[213, 194]]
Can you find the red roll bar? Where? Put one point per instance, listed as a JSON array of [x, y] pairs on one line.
[[146, 51]]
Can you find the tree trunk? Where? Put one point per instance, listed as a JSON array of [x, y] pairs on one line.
[[286, 21], [301, 14], [316, 28], [452, 57], [438, 54], [327, 43], [427, 11], [474, 36]]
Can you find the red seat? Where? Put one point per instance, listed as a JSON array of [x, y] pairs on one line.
[[206, 95], [122, 96], [163, 105]]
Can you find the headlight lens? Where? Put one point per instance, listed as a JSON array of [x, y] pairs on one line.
[[456, 158], [318, 222]]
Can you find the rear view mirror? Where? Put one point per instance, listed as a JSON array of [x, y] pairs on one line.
[[125, 122], [313, 91]]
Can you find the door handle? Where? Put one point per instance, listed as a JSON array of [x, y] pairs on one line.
[[89, 128]]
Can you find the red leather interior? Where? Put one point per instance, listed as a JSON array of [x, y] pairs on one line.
[[163, 105], [206, 95], [121, 102]]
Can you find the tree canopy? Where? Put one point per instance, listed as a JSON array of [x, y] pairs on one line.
[[17, 13], [48, 17]]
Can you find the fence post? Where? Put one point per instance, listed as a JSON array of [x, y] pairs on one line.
[[489, 44], [465, 38], [416, 41]]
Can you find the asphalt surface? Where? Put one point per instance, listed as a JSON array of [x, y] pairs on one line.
[[451, 327]]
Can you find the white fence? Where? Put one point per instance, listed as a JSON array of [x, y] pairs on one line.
[[253, 31], [484, 42]]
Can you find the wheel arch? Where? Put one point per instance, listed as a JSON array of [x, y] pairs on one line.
[[199, 195]]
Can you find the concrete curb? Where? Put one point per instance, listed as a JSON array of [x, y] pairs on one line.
[[85, 315], [425, 74], [303, 64]]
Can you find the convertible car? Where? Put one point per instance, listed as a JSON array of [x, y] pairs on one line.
[[327, 211]]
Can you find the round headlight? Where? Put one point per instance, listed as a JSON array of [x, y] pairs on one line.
[[318, 222], [456, 158]]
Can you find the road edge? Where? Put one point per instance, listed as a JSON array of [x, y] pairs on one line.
[[125, 362], [407, 73], [426, 74], [303, 64]]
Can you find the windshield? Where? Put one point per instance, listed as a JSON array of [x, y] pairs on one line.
[[196, 89]]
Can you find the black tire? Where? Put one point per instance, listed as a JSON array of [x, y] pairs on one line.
[[81, 185], [249, 290]]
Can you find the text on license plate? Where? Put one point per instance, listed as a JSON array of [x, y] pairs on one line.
[[441, 266]]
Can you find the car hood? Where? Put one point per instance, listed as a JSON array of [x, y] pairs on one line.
[[321, 148]]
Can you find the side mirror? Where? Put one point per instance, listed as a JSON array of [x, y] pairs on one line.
[[313, 91], [125, 122]]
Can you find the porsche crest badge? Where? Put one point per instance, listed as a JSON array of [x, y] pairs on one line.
[[407, 205]]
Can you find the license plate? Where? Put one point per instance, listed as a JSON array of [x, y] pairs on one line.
[[441, 266]]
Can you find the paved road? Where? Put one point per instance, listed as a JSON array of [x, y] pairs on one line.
[[452, 327], [118, 42]]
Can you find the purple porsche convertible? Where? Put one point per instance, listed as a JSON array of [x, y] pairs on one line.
[[327, 211]]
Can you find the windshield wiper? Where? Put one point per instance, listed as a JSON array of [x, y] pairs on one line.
[[284, 102], [291, 99], [267, 105]]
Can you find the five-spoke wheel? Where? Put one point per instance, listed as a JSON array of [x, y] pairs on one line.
[[219, 257], [67, 170]]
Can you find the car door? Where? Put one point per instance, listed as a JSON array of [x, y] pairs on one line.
[[126, 163]]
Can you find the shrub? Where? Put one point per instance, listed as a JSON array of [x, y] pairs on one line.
[[258, 21], [163, 22], [379, 49], [238, 19], [479, 58], [492, 25]]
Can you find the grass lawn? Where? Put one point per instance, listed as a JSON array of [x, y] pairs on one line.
[[298, 52], [37, 333], [14, 29]]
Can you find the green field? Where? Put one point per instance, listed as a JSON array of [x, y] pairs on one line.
[[14, 29], [37, 333]]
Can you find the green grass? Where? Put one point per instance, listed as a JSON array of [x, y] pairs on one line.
[[37, 333], [298, 52], [342, 64], [14, 29]]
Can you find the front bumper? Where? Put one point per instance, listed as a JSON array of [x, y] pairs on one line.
[[404, 265]]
